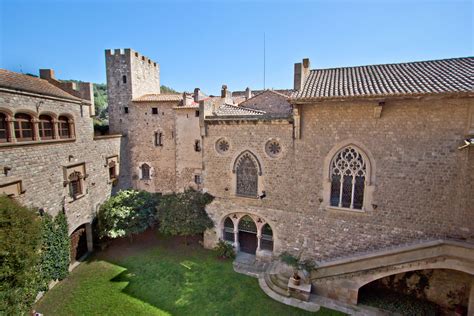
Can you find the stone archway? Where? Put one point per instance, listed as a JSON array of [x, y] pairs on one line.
[[247, 231], [79, 245]]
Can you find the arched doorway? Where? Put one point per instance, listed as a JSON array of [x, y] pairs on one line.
[[78, 243], [247, 235], [420, 292]]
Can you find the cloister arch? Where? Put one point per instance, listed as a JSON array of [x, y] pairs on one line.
[[245, 226]]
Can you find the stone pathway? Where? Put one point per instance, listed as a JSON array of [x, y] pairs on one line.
[[247, 264]]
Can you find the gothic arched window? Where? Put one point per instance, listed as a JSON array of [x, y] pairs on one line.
[[145, 172], [228, 230], [266, 242], [247, 171], [348, 173]]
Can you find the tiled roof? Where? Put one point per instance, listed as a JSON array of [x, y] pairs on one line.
[[155, 97], [232, 110], [454, 75], [287, 92], [273, 103], [16, 81]]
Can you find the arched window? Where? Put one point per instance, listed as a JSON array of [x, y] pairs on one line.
[[23, 127], [4, 128], [247, 171], [75, 184], [228, 230], [348, 172], [145, 172], [266, 242], [46, 128], [64, 127]]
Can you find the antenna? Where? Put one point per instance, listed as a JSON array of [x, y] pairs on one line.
[[263, 60]]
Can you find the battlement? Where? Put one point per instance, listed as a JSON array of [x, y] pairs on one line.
[[127, 52]]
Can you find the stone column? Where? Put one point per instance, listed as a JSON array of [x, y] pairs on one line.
[[11, 130], [259, 237], [90, 243], [236, 240], [55, 129], [36, 134]]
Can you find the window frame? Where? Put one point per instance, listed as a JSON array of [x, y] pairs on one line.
[[44, 119], [65, 121], [148, 173], [4, 119], [20, 119]]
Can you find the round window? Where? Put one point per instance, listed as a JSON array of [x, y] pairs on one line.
[[222, 146], [273, 148]]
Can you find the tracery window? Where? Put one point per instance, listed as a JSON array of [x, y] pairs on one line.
[[46, 128], [4, 128], [222, 146], [24, 127], [348, 172], [64, 127], [145, 172], [273, 148], [228, 230], [246, 224], [75, 184], [247, 176]]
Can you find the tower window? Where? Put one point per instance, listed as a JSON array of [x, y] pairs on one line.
[[125, 109], [197, 179], [197, 145], [197, 113], [124, 79], [154, 111], [158, 139]]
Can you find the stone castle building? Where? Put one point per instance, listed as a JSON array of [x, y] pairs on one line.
[[49, 157], [367, 171]]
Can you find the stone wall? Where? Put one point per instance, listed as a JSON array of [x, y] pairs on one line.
[[420, 180], [39, 165]]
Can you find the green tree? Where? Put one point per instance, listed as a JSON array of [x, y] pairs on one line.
[[129, 212], [184, 214], [20, 243]]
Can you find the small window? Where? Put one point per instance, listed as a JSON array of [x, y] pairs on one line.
[[46, 128], [145, 172], [158, 139], [75, 184], [64, 127], [24, 127], [154, 111], [112, 170], [125, 109], [197, 179], [197, 113], [197, 145], [4, 128], [124, 79]]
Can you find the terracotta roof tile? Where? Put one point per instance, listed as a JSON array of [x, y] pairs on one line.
[[232, 110], [425, 77], [21, 82], [155, 97]]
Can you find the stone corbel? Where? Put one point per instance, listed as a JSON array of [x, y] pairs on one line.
[[378, 110]]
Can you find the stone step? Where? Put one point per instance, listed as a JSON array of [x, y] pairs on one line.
[[279, 281], [274, 287]]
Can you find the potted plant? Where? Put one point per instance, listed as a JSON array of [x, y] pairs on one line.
[[298, 265]]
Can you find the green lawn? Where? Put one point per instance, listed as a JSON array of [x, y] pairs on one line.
[[160, 279]]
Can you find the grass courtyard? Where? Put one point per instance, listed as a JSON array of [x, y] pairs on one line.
[[158, 276]]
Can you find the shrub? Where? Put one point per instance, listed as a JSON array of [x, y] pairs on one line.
[[20, 242], [55, 249], [184, 214], [129, 212], [224, 250]]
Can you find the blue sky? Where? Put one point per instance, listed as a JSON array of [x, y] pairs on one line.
[[206, 44]]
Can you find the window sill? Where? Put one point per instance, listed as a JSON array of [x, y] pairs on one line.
[[37, 142], [344, 209], [247, 197], [73, 199]]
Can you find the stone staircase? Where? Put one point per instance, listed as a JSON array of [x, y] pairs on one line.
[[247, 264]]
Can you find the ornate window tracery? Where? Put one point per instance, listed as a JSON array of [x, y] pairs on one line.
[[348, 173], [273, 148], [222, 146], [247, 172]]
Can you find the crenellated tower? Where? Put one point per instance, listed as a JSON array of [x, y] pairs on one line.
[[129, 75]]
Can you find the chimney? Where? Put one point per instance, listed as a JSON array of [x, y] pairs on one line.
[[186, 100], [224, 91], [301, 73], [47, 74], [248, 93], [197, 94]]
